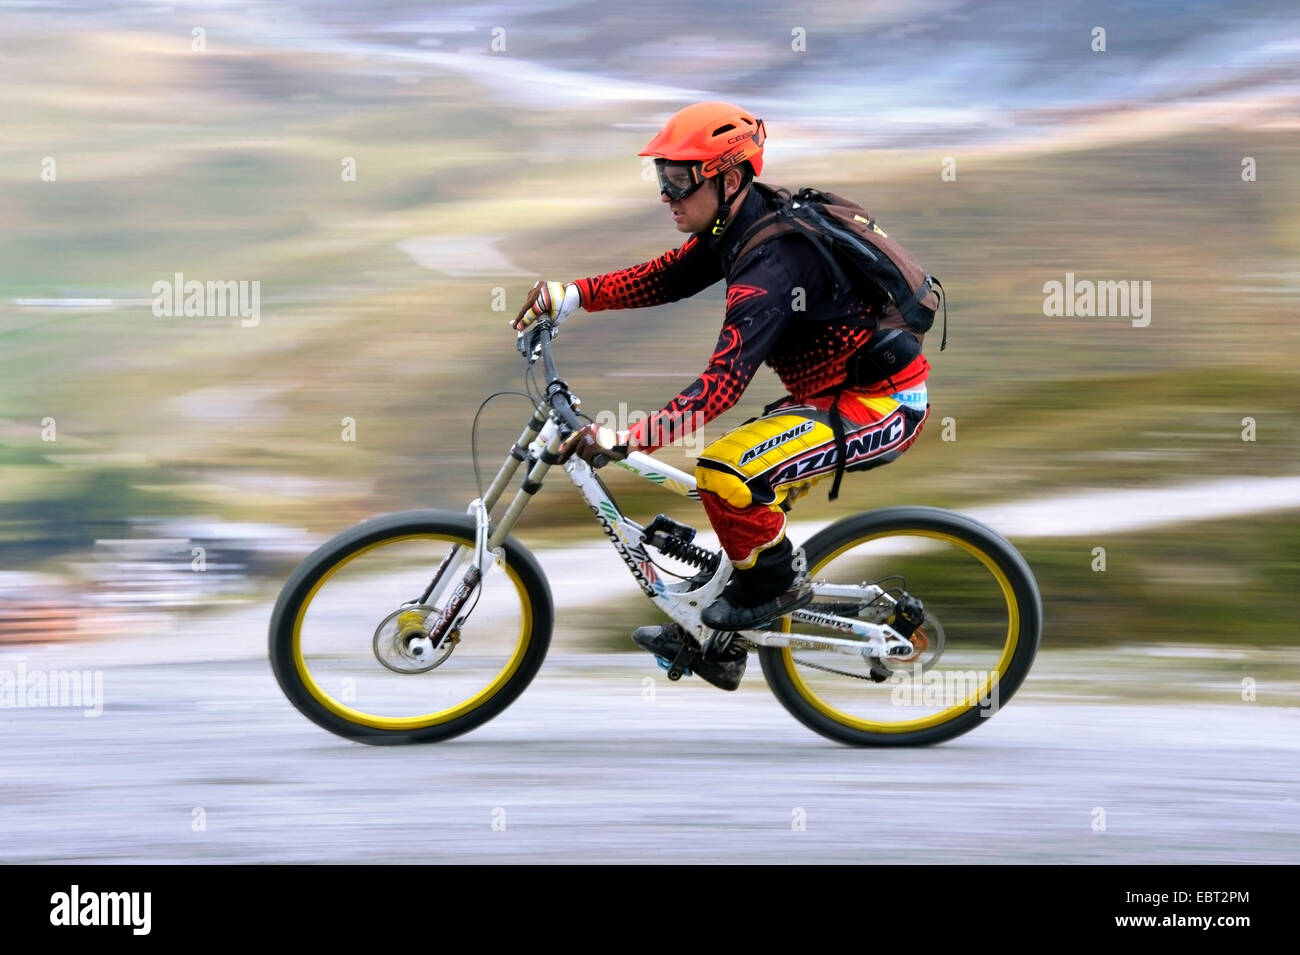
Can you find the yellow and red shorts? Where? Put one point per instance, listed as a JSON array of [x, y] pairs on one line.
[[749, 477]]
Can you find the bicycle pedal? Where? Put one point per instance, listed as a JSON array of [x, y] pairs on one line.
[[674, 672]]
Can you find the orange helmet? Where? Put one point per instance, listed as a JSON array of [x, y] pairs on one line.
[[718, 135]]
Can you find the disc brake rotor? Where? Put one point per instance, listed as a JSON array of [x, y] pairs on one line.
[[928, 638], [402, 641]]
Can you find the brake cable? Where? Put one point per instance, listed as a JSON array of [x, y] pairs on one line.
[[473, 433]]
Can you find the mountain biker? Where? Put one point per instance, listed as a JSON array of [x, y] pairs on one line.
[[780, 311]]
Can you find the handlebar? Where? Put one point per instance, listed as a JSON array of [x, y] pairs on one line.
[[538, 338]]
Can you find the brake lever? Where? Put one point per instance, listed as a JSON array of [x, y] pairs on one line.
[[528, 342]]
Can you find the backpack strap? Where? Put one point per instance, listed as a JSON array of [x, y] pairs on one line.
[[944, 299], [837, 429], [922, 291], [764, 229], [775, 200], [839, 281], [841, 446], [931, 284], [782, 221]]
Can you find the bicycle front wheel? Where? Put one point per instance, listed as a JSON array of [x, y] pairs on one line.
[[981, 629], [346, 638]]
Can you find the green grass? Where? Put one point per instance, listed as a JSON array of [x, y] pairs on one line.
[[1228, 583]]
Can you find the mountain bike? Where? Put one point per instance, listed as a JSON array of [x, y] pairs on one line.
[[422, 625]]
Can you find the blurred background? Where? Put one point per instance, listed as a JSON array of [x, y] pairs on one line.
[[396, 175]]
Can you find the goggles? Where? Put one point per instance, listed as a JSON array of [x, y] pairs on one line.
[[677, 180]]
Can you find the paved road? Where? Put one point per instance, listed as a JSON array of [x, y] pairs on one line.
[[585, 767], [1145, 755]]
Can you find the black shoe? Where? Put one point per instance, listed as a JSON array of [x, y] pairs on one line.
[[772, 586], [727, 613], [665, 640], [722, 668]]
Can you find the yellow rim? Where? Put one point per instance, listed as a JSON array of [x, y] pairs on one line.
[[943, 716], [428, 719]]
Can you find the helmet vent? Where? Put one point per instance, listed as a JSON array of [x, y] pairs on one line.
[[724, 129]]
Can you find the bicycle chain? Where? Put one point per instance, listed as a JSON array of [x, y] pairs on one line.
[[818, 666]]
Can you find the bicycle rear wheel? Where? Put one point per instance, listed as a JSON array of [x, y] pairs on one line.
[[981, 631], [342, 631]]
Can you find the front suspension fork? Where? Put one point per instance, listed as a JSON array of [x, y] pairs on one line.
[[489, 540]]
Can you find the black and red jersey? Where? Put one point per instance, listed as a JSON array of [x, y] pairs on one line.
[[779, 311]]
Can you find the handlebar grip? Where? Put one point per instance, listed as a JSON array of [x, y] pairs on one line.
[[526, 341]]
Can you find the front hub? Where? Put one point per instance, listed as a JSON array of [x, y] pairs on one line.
[[402, 642]]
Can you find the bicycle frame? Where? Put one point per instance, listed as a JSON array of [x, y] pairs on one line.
[[538, 446]]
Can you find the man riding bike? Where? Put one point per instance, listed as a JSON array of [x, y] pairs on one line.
[[781, 311]]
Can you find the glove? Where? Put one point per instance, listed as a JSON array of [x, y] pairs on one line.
[[553, 300], [594, 441]]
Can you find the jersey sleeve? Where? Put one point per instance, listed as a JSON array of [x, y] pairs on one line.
[[758, 311], [677, 274]]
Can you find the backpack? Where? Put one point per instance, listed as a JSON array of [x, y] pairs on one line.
[[860, 256], [858, 252]]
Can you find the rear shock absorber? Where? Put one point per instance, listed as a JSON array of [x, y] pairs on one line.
[[674, 539]]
